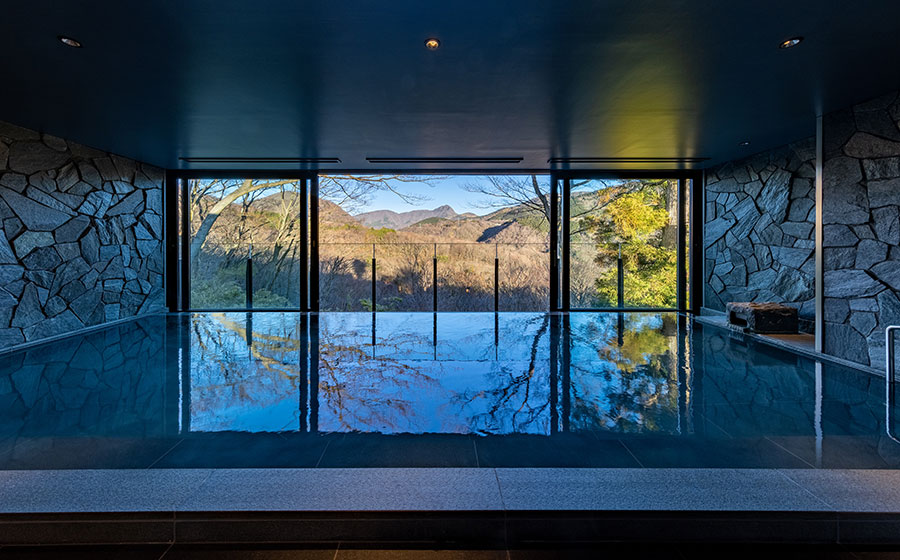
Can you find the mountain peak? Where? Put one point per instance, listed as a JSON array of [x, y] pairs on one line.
[[400, 220]]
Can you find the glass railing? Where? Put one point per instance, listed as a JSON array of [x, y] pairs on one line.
[[242, 276], [611, 276], [434, 276], [429, 277]]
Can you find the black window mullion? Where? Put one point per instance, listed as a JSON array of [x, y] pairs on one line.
[[554, 243], [696, 248], [170, 197], [566, 245], [314, 244], [304, 248], [185, 283], [682, 249]]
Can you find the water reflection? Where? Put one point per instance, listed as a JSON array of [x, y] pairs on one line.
[[673, 393], [436, 373]]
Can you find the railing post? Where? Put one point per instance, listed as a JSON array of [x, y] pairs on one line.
[[249, 331], [434, 278], [496, 279], [559, 304], [620, 286], [373, 278], [250, 277]]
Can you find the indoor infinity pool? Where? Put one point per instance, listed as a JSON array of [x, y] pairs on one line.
[[271, 389]]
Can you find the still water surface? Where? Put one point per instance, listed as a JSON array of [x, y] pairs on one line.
[[422, 389]]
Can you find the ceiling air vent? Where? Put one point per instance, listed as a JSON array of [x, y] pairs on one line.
[[446, 160], [260, 160], [635, 160]]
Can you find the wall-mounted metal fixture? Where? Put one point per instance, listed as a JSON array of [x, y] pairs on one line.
[[890, 370], [260, 160], [446, 160], [636, 160]]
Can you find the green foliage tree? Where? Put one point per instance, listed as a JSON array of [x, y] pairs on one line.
[[225, 290], [636, 223]]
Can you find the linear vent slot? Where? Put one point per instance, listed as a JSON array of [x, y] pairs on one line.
[[626, 159], [259, 160], [446, 160]]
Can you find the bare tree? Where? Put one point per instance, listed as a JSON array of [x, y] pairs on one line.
[[229, 191], [503, 191], [345, 190]]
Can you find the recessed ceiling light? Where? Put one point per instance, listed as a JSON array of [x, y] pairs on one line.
[[432, 44], [788, 43], [69, 42], [744, 143]]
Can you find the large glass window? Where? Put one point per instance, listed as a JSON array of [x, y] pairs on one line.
[[623, 238], [245, 243], [433, 243], [428, 242]]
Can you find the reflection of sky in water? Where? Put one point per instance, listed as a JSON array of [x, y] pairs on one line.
[[163, 377], [239, 387], [450, 373], [457, 385]]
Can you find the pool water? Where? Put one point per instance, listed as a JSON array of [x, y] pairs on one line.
[[271, 389]]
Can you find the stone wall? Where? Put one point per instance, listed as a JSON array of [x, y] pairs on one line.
[[81, 241], [861, 197], [759, 231]]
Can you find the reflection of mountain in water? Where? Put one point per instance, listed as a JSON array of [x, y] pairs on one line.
[[406, 383], [129, 389]]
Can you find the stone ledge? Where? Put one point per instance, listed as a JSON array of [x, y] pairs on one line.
[[782, 341], [548, 505], [79, 332]]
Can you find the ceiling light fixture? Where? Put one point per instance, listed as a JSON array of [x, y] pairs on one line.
[[788, 43], [69, 42], [432, 44]]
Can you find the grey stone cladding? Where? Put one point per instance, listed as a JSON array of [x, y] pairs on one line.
[[81, 238], [759, 230], [861, 218]]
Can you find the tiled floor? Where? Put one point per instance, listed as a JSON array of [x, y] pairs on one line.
[[442, 489], [232, 450], [489, 507]]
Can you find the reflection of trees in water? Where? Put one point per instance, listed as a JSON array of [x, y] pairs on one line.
[[396, 393], [230, 377], [515, 400], [627, 387], [365, 393]]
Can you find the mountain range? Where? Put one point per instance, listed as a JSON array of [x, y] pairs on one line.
[[399, 220]]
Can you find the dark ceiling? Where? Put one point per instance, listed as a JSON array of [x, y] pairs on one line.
[[532, 79]]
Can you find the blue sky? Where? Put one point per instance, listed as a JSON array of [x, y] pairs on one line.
[[447, 191]]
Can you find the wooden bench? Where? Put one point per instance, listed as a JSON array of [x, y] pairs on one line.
[[763, 317]]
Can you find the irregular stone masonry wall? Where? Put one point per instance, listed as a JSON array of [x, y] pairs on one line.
[[861, 217], [760, 221], [759, 234], [81, 242]]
